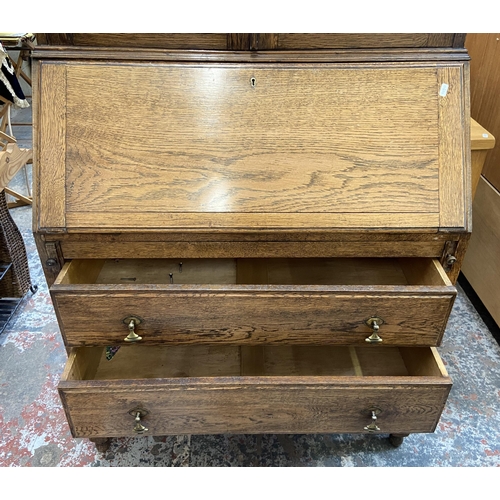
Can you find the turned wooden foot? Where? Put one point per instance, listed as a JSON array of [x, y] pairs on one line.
[[102, 444], [397, 439]]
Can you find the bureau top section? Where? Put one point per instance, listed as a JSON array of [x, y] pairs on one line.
[[255, 41], [127, 143]]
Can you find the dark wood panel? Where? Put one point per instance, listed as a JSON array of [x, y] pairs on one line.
[[254, 41], [213, 41], [292, 41], [238, 41], [415, 56]]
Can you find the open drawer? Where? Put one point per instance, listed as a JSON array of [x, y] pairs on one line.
[[339, 301], [157, 390]]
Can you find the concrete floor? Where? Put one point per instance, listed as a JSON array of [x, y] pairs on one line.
[[35, 432]]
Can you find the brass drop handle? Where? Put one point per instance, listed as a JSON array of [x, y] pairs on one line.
[[373, 427], [374, 323], [139, 413], [132, 322]]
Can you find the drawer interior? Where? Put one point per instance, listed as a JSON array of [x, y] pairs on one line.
[[147, 362], [293, 271]]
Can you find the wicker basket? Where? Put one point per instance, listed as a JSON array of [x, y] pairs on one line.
[[16, 279]]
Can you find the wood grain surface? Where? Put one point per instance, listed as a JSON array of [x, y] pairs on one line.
[[218, 146]]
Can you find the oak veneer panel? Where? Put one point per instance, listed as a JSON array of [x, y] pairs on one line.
[[218, 147], [227, 180], [481, 265], [50, 143]]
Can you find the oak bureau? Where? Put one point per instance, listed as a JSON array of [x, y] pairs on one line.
[[252, 233]]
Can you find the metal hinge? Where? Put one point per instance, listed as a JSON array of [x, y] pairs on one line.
[[54, 256], [448, 257]]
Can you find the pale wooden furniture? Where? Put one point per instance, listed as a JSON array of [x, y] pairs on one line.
[[482, 141], [482, 264], [275, 250]]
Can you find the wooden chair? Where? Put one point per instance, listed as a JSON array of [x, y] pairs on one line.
[[12, 159]]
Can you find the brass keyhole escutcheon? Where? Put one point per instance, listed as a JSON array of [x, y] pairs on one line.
[[253, 81], [139, 413], [132, 322], [373, 427], [374, 323]]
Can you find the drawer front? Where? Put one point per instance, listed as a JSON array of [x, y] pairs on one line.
[[288, 399], [253, 301], [252, 316], [245, 409]]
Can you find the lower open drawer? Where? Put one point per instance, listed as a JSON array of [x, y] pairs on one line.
[[155, 390]]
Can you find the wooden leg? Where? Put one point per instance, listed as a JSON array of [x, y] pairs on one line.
[[102, 444], [397, 439]]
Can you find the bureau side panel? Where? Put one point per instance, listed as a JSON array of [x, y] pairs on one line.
[[454, 149], [50, 147]]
